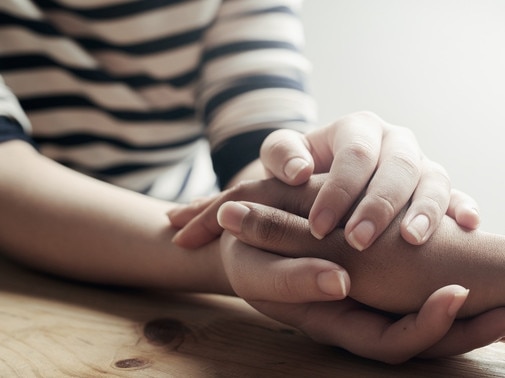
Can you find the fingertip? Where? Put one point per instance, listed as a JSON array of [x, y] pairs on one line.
[[231, 215], [322, 222], [335, 282], [173, 214], [459, 298], [176, 239], [417, 230], [464, 210], [297, 171], [447, 301], [468, 217], [180, 240], [286, 155], [362, 235]]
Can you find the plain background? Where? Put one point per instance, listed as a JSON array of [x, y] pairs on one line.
[[435, 66]]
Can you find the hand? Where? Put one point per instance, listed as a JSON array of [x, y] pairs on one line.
[[353, 326], [346, 323], [363, 153], [290, 290], [356, 150], [198, 220]]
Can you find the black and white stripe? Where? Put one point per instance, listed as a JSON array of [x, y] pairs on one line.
[[124, 90]]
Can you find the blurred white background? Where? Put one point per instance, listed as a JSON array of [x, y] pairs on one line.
[[436, 66]]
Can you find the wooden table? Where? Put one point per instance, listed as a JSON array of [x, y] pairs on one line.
[[55, 328]]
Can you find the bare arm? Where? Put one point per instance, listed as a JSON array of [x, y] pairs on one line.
[[68, 224], [55, 219]]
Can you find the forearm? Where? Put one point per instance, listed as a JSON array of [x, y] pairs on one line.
[[395, 276], [60, 221], [392, 274]]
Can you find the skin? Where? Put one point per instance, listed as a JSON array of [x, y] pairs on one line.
[[392, 275], [375, 334], [83, 230], [375, 273], [363, 154]]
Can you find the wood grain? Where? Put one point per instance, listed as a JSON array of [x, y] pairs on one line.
[[51, 327]]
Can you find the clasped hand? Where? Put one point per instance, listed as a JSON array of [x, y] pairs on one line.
[[373, 166], [368, 160], [304, 291]]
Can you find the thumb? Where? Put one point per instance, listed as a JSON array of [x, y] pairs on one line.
[[285, 154]]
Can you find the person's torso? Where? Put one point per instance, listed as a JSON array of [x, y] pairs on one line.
[[109, 85]]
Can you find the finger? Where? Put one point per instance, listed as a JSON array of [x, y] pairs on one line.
[[285, 154], [429, 204], [467, 335], [204, 227], [258, 275], [464, 210], [377, 336], [413, 333], [181, 215], [274, 230], [350, 151], [367, 333], [390, 189]]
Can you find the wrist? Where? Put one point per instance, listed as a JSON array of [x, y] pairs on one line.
[[205, 271]]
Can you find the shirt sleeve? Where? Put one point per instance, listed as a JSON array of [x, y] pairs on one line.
[[10, 108], [10, 130], [14, 123], [253, 80]]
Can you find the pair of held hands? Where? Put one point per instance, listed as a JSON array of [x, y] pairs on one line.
[[362, 154]]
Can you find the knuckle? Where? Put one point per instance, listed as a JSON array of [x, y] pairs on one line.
[[432, 206], [282, 285], [278, 147], [385, 206], [362, 116], [343, 194], [270, 229], [277, 144], [440, 175], [361, 151], [408, 163], [366, 114]]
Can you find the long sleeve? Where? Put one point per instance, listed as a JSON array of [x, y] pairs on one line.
[[13, 121], [253, 79], [10, 108], [125, 92]]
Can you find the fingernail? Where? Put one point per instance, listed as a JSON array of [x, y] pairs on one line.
[[174, 211], [457, 302], [231, 215], [418, 227], [176, 238], [334, 282], [475, 212], [476, 215], [361, 236], [294, 166], [323, 223]]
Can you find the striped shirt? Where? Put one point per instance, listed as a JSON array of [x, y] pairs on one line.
[[141, 93]]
